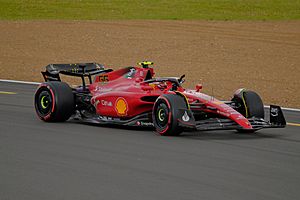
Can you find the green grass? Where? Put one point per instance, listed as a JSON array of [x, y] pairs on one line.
[[150, 9]]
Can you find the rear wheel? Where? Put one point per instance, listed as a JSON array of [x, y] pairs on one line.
[[165, 114], [54, 101]]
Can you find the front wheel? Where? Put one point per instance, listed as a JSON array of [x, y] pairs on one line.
[[250, 105], [166, 112]]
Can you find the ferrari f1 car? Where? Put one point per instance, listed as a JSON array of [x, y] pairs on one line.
[[133, 96]]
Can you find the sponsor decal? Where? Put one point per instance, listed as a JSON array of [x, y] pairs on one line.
[[102, 89], [102, 102], [106, 103], [239, 117], [201, 95], [228, 109], [185, 117], [131, 73], [121, 106], [105, 118], [224, 113], [274, 112], [144, 123]]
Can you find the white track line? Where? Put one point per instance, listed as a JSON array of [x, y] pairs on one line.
[[23, 82], [288, 109], [37, 83]]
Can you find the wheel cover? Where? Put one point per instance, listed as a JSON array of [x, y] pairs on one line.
[[44, 103], [162, 115]]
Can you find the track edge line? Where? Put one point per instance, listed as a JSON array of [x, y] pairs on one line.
[[21, 82], [288, 109]]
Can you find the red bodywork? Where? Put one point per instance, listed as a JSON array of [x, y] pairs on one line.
[[124, 94]]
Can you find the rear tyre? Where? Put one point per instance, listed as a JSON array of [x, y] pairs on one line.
[[166, 112], [54, 101], [248, 104]]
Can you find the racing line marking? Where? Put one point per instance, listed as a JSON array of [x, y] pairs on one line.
[[3, 92]]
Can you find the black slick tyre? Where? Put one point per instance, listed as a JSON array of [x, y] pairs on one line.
[[54, 101], [165, 114], [249, 105]]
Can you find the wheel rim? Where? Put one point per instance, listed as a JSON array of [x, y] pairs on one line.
[[162, 115], [44, 103]]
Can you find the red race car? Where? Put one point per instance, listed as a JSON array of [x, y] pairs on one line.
[[133, 96]]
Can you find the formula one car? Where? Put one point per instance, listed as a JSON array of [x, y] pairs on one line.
[[132, 96]]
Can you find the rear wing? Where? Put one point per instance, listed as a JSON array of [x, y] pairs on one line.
[[77, 69]]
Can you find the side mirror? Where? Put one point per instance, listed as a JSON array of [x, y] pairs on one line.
[[181, 79], [198, 87]]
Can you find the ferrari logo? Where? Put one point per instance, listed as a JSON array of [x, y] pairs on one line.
[[121, 106]]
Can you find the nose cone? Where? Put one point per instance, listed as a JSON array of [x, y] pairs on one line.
[[231, 113], [244, 123]]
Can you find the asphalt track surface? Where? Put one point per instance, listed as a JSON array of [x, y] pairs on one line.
[[77, 161]]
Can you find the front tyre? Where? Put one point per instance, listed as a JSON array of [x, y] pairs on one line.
[[54, 101], [166, 112], [250, 105]]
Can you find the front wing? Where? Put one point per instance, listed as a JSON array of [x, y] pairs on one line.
[[277, 120]]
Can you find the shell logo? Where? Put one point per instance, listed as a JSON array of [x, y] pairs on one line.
[[121, 106]]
